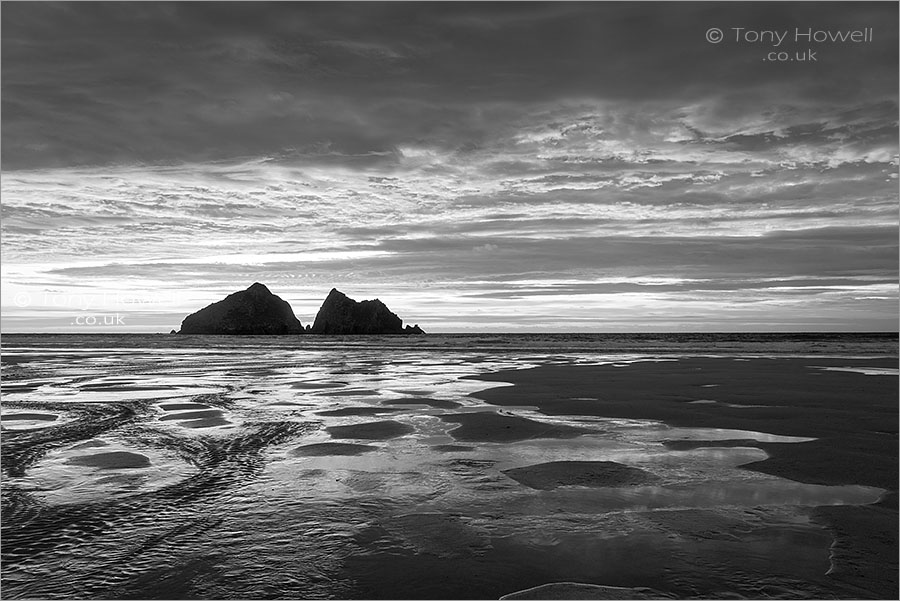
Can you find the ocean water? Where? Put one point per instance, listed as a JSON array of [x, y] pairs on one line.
[[160, 466]]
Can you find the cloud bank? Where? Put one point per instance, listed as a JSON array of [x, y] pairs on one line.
[[478, 166]]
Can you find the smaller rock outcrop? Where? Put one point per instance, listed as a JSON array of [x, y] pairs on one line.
[[342, 315], [254, 311]]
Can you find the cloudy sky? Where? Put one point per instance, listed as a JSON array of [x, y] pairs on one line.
[[479, 167]]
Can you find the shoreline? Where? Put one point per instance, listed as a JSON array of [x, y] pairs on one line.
[[851, 416]]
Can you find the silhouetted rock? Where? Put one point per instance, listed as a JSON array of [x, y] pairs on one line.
[[342, 315], [253, 311]]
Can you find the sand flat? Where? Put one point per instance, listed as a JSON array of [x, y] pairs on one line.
[[575, 590], [487, 426], [851, 415], [205, 422], [359, 411], [325, 449], [690, 445], [547, 476], [187, 415], [183, 406], [452, 448], [382, 430], [112, 460], [436, 403], [421, 518], [44, 417]]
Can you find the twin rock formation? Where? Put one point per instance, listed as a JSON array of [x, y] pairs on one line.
[[256, 311]]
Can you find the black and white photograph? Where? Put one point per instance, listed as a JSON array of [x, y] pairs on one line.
[[449, 300]]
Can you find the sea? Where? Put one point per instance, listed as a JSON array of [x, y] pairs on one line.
[[306, 467]]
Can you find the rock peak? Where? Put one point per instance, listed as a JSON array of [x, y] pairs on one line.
[[254, 311], [340, 314]]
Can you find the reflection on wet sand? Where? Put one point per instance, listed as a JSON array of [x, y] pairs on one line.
[[262, 473]]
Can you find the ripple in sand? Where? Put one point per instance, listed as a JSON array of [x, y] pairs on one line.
[[493, 427], [332, 448], [342, 393], [91, 444], [382, 430], [28, 421], [208, 422], [112, 460], [575, 590], [99, 469], [205, 418], [192, 415], [183, 406], [547, 476], [358, 411], [437, 534], [867, 371], [689, 445], [436, 403], [452, 448], [47, 417], [708, 434], [317, 385]]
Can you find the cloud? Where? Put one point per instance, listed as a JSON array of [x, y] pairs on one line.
[[447, 152], [158, 83]]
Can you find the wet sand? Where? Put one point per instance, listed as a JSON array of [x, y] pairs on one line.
[[436, 403], [383, 430], [44, 417], [325, 449], [492, 427], [273, 505], [361, 411], [852, 416], [574, 590], [191, 415], [112, 460], [546, 476]]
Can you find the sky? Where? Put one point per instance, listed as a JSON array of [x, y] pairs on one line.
[[479, 167]]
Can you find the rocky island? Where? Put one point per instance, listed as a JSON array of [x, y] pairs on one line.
[[340, 314], [252, 311], [256, 311]]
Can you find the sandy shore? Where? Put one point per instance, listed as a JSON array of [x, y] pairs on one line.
[[436, 403], [574, 590], [382, 430], [325, 449], [112, 460], [852, 416], [492, 427], [546, 476]]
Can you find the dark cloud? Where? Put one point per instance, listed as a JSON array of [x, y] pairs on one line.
[[112, 82]]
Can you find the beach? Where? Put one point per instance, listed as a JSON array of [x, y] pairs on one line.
[[851, 414], [450, 467]]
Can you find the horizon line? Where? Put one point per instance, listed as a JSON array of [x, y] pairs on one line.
[[480, 333]]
